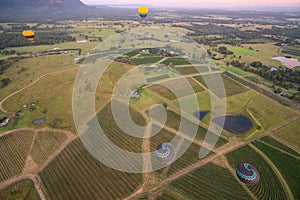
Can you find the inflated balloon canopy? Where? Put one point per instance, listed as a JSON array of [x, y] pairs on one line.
[[143, 11], [29, 34]]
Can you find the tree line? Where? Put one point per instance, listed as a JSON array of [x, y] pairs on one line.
[[12, 39]]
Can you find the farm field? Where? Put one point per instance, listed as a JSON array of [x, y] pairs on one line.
[[108, 81], [23, 189], [269, 186], [235, 70], [75, 174], [85, 47], [264, 54], [146, 60], [209, 181], [173, 121], [288, 166], [176, 61], [28, 70], [16, 146], [189, 157], [46, 142], [54, 104], [290, 133], [167, 93], [187, 70], [51, 161], [231, 87], [269, 112], [242, 50], [276, 144], [118, 136]]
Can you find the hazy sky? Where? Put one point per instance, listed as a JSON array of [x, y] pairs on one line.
[[202, 3]]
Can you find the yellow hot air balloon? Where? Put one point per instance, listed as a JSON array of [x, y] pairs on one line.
[[29, 34], [143, 12]]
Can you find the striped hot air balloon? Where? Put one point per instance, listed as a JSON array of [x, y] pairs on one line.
[[29, 34], [143, 12]]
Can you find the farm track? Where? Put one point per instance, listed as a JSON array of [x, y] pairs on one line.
[[32, 83]]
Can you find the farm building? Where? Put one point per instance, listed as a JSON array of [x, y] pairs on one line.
[[4, 122], [133, 94]]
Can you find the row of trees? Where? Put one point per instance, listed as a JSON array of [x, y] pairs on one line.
[[283, 77], [41, 38]]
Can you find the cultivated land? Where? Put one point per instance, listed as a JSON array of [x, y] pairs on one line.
[[50, 161]]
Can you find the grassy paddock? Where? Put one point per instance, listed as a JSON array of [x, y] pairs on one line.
[[28, 70], [23, 189]]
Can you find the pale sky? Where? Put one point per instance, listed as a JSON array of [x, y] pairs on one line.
[[200, 3]]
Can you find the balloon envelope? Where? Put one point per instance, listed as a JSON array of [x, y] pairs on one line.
[[143, 11], [29, 34]]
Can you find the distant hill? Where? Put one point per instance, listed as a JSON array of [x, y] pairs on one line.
[[40, 10]]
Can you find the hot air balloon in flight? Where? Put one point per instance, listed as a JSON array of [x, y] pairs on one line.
[[143, 12], [29, 34]]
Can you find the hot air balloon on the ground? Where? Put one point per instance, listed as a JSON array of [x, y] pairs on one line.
[[165, 152], [247, 173], [29, 34], [143, 12]]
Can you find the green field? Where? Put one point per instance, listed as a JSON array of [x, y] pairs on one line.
[[146, 60], [189, 157], [208, 182], [231, 87], [167, 93], [14, 149], [276, 144], [235, 70], [290, 133], [132, 53], [269, 186], [287, 165], [268, 112], [291, 51], [264, 54], [187, 70], [118, 136], [204, 103], [75, 174], [85, 47], [23, 189], [52, 98], [163, 91], [174, 120], [241, 50], [176, 61], [46, 142], [28, 70]]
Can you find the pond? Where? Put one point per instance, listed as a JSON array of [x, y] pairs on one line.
[[288, 62], [200, 114], [236, 124]]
